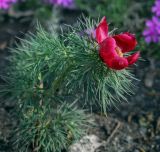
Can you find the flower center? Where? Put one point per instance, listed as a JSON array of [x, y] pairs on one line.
[[119, 51]]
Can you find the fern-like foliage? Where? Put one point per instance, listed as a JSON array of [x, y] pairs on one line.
[[46, 71], [50, 130], [64, 67]]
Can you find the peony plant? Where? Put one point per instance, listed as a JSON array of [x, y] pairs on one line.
[[54, 78]]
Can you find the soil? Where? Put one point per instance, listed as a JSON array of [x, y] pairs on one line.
[[132, 127]]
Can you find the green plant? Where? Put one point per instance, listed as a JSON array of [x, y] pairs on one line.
[[46, 71], [46, 129]]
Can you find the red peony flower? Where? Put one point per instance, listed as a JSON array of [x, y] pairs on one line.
[[113, 48]]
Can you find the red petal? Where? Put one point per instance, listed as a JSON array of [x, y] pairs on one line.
[[133, 58], [107, 49], [119, 63], [110, 56], [102, 30], [125, 41]]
